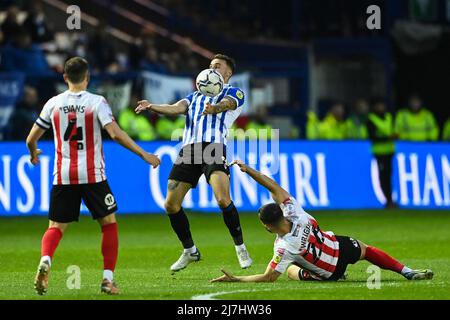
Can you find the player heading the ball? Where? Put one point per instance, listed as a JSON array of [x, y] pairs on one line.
[[208, 120], [77, 118]]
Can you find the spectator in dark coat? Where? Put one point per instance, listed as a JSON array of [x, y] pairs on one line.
[[36, 24], [25, 114], [22, 55], [10, 25]]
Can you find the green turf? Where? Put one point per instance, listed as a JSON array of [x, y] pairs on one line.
[[148, 247]]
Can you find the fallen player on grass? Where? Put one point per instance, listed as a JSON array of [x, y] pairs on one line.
[[305, 251]]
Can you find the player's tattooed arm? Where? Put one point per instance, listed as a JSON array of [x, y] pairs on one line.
[[224, 105], [172, 185], [168, 109]]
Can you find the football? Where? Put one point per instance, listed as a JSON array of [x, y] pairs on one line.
[[209, 82]]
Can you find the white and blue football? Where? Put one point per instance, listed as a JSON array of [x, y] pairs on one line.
[[209, 82]]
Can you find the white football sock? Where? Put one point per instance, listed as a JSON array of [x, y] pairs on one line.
[[192, 249], [108, 274], [406, 270], [240, 247], [46, 258]]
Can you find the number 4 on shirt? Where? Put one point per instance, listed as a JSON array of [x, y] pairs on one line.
[[74, 135]]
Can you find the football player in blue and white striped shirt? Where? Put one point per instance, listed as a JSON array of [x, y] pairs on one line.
[[208, 120]]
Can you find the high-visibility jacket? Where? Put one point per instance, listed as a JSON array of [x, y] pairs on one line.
[[331, 129], [167, 128], [419, 126], [446, 131], [381, 131], [136, 125], [356, 128], [312, 126], [327, 129], [266, 129]]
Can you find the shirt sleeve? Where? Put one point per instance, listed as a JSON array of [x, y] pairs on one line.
[[290, 208], [237, 95], [189, 98], [44, 120], [281, 260], [104, 112]]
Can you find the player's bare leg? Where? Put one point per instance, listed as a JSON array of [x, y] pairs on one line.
[[49, 243], [110, 246], [299, 274], [220, 183], [385, 261], [176, 191]]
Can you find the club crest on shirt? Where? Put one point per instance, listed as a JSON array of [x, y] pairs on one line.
[[239, 94]]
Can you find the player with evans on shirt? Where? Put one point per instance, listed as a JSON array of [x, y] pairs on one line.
[[77, 118], [305, 251]]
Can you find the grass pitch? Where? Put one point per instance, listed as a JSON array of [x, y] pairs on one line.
[[420, 239]]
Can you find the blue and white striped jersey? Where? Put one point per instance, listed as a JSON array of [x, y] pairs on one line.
[[212, 127]]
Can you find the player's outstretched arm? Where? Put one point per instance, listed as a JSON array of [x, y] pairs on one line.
[[169, 109], [269, 276], [124, 139], [35, 134], [279, 195]]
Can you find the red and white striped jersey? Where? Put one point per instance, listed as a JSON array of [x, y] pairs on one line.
[[77, 120], [306, 245]]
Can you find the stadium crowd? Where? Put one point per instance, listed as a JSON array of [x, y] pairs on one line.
[[28, 43], [31, 44], [249, 19], [413, 123]]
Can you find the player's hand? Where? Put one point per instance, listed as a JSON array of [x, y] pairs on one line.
[[240, 164], [34, 158], [227, 277], [142, 106], [209, 109], [151, 159]]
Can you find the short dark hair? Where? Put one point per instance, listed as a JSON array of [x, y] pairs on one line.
[[270, 214], [75, 68], [229, 61]]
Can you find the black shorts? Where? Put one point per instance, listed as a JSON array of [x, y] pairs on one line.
[[65, 201], [349, 253], [197, 159]]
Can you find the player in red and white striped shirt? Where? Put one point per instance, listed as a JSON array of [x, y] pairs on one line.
[[305, 251], [77, 118]]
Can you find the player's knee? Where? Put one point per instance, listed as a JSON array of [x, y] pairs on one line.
[[223, 201], [363, 247], [109, 219], [58, 225], [172, 207], [292, 272]]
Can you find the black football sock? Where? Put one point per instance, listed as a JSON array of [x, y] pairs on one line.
[[180, 224], [231, 219]]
